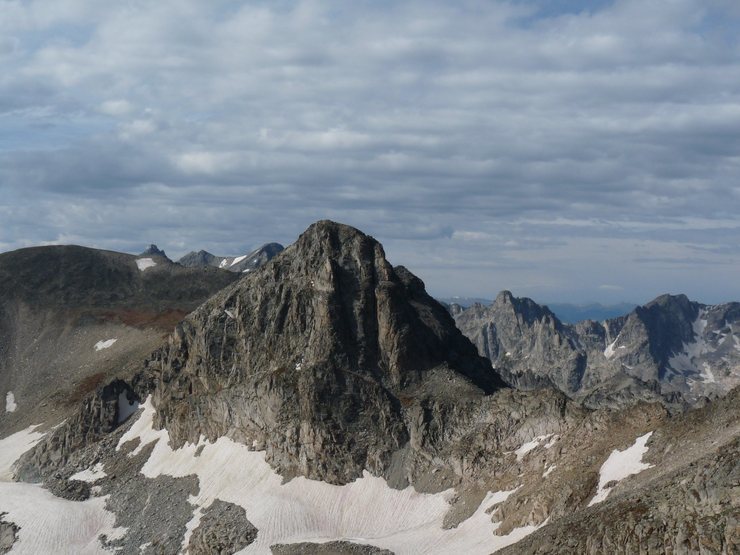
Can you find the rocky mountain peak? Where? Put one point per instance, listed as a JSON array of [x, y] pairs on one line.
[[153, 250], [315, 355], [524, 309]]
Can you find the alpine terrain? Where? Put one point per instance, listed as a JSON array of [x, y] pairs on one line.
[[242, 264], [323, 402]]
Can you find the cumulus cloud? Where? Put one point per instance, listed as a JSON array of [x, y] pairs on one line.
[[545, 147]]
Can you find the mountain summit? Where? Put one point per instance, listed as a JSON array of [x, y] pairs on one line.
[[153, 250]]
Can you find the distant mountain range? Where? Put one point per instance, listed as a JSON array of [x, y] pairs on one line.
[[672, 348], [566, 312], [240, 264]]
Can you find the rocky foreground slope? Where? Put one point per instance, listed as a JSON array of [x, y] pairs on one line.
[[326, 404], [671, 349]]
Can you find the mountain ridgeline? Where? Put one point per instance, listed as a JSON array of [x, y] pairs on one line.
[[239, 264], [326, 397], [671, 348]]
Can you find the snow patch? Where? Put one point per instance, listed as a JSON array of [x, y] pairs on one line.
[[91, 474], [621, 464], [100, 345], [237, 260], [707, 375], [403, 521], [144, 263], [527, 447], [10, 404], [548, 470], [610, 349], [223, 263], [229, 313]]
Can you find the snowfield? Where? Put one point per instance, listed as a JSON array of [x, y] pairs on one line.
[[144, 263], [621, 464], [365, 511], [49, 524], [90, 474]]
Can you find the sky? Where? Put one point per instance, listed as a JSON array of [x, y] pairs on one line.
[[567, 151]]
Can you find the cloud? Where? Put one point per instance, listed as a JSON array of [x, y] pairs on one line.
[[118, 107], [530, 143]]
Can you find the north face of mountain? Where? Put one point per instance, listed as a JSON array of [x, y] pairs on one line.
[[241, 264], [671, 346], [72, 316]]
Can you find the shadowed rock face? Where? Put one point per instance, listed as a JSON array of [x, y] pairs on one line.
[[310, 358]]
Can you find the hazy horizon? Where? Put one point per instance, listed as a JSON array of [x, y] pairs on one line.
[[569, 151]]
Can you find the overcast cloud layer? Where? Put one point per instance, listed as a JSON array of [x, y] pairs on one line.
[[565, 150]]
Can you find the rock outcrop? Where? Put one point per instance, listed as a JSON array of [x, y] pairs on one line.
[[8, 534], [223, 529]]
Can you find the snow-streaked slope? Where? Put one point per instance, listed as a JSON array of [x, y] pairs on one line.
[[530, 445], [621, 464], [365, 511], [238, 259]]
